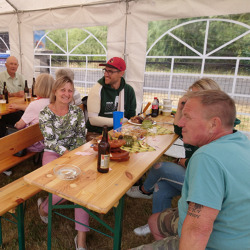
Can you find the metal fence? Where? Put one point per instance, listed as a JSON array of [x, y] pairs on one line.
[[169, 81], [165, 76]]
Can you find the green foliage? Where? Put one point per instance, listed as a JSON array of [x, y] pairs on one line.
[[75, 38], [194, 35]]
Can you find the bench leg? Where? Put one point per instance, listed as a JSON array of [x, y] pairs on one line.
[[20, 226], [118, 224], [49, 222], [1, 237]]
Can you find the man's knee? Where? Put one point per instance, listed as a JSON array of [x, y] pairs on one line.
[[153, 225]]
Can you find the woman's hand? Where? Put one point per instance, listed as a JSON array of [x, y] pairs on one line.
[[13, 106], [180, 107], [181, 162], [18, 106], [181, 103], [65, 152]]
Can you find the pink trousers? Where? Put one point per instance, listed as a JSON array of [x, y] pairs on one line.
[[80, 214]]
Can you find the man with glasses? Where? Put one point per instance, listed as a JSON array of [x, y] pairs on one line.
[[111, 93]]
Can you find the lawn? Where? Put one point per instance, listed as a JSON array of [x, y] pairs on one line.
[[136, 213]]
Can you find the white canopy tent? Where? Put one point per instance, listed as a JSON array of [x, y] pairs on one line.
[[127, 22]]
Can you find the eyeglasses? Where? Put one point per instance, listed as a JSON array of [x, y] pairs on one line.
[[109, 72]]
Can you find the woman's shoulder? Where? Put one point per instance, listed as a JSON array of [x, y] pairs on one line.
[[46, 110]]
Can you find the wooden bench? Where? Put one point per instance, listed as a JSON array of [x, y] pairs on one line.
[[13, 195], [13, 143]]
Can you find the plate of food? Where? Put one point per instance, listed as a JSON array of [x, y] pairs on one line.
[[67, 171], [138, 120]]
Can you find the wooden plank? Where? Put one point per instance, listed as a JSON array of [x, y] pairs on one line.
[[15, 193], [13, 143], [93, 190], [12, 161]]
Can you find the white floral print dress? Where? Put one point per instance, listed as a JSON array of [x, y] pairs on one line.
[[62, 133]]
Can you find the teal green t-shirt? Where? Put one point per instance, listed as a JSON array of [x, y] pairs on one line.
[[218, 176]]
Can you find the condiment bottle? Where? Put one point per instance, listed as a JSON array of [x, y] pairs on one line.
[[155, 107], [5, 93], [26, 90], [103, 152]]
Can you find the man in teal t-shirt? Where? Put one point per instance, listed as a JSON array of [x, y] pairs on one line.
[[215, 202]]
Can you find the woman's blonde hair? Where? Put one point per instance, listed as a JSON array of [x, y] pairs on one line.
[[59, 83], [204, 84], [43, 85]]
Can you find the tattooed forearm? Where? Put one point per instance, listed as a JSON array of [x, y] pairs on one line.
[[194, 209]]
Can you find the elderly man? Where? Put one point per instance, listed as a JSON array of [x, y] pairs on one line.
[[215, 203], [15, 86], [111, 93], [14, 81]]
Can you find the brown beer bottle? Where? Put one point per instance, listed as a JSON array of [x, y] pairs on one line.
[[5, 93], [33, 87], [26, 90], [103, 152]]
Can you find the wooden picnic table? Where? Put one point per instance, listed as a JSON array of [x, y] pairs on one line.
[[96, 191], [18, 100]]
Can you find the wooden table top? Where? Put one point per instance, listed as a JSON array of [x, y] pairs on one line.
[[93, 190], [18, 100]]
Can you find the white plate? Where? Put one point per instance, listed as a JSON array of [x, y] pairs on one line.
[[67, 172], [136, 124], [139, 124]]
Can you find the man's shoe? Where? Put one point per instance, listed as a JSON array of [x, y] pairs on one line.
[[135, 192], [43, 218], [142, 231], [8, 173]]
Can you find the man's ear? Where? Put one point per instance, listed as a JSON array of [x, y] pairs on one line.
[[121, 73], [215, 123]]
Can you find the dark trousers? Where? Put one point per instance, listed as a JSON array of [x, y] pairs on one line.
[[9, 121]]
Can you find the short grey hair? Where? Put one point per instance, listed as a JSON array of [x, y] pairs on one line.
[[216, 103], [65, 72]]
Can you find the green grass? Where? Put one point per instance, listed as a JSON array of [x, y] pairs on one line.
[[136, 213]]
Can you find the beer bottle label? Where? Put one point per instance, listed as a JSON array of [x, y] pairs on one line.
[[104, 162]]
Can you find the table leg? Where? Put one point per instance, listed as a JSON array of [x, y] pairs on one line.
[[1, 236], [49, 222], [118, 224]]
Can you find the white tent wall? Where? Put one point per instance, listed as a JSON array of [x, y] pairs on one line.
[[111, 15], [127, 23]]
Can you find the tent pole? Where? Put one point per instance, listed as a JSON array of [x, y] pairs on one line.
[[126, 26]]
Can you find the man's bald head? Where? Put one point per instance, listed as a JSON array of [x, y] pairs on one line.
[[11, 65]]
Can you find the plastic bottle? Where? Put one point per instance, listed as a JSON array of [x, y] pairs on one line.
[[103, 152], [155, 107]]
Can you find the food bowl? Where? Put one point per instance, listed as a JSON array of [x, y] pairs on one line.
[[67, 172], [113, 144]]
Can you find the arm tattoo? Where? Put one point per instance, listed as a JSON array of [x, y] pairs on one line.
[[194, 210]]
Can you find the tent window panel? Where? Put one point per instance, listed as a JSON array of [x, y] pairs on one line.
[[81, 49], [181, 51]]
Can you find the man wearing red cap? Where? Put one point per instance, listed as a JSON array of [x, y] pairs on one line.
[[111, 93]]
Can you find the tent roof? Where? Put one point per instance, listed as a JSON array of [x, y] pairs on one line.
[[10, 6]]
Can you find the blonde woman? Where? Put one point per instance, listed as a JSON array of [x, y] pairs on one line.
[[63, 127]]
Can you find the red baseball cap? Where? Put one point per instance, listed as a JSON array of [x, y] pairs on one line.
[[115, 62]]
